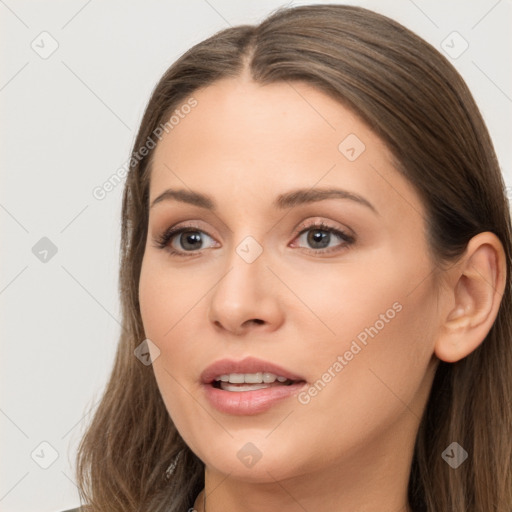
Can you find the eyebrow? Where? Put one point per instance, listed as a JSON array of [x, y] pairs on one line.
[[283, 201]]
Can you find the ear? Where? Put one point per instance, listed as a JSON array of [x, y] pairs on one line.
[[473, 296]]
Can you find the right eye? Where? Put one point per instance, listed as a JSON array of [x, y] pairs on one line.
[[179, 241]]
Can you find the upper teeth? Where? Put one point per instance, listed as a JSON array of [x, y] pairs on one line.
[[251, 378]]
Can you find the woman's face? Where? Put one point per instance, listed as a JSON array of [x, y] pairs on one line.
[[277, 277]]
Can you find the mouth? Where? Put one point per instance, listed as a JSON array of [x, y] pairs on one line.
[[238, 382], [249, 386]]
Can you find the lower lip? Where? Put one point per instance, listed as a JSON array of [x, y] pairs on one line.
[[249, 402]]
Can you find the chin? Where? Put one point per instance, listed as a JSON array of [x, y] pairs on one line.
[[257, 461]]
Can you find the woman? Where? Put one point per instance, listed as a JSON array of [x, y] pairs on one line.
[[316, 251]]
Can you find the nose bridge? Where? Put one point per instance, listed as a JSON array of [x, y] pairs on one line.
[[245, 266], [243, 293]]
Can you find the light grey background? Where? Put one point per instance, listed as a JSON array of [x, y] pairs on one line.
[[68, 121]]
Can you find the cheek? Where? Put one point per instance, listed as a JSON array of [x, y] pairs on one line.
[[167, 307], [376, 295], [150, 299], [164, 298], [375, 327], [380, 352]]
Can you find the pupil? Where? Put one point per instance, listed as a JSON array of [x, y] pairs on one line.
[[317, 236], [191, 237]]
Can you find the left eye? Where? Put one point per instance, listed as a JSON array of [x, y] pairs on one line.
[[322, 237]]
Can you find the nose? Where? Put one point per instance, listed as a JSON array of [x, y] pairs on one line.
[[246, 298]]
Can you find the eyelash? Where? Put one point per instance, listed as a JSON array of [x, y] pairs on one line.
[[162, 241]]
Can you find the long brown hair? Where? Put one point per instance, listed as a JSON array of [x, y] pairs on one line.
[[414, 99]]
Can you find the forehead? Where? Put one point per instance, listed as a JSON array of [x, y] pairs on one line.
[[245, 138], [241, 114]]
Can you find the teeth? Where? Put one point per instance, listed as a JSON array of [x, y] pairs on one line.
[[253, 378], [250, 378], [226, 386], [269, 377]]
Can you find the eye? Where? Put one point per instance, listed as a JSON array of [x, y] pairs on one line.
[[320, 236], [190, 240], [182, 240]]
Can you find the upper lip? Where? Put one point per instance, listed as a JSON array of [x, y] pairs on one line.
[[246, 365]]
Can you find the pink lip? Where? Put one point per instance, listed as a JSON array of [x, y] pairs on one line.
[[247, 402]]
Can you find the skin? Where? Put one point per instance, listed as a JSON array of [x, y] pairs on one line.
[[350, 447]]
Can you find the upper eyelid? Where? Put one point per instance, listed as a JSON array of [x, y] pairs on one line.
[[302, 227]]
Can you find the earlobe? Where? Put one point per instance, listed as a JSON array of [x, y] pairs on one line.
[[474, 299]]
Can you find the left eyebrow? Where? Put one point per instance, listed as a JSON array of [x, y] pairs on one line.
[[283, 201], [304, 196]]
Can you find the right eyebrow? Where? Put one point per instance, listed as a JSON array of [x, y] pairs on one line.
[[186, 196]]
